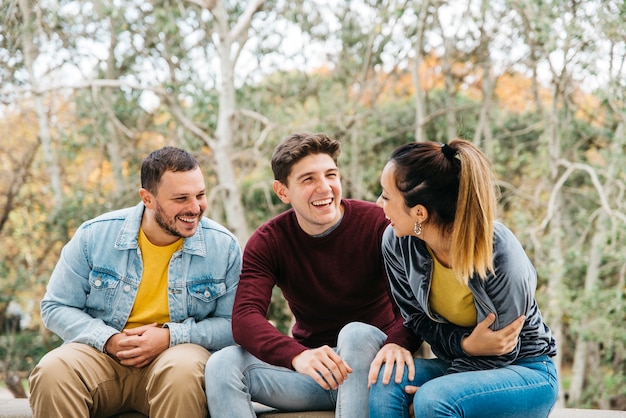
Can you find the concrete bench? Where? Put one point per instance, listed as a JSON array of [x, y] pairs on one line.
[[19, 408], [557, 413]]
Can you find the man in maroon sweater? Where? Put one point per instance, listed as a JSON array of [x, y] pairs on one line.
[[325, 256]]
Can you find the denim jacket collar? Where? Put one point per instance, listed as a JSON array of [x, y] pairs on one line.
[[128, 236]]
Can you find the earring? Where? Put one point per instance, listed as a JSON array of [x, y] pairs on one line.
[[417, 228]]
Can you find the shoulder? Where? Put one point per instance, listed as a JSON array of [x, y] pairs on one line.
[[505, 242], [215, 231], [108, 219], [362, 209], [509, 254]]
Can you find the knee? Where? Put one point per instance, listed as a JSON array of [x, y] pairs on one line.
[[51, 368], [427, 399], [360, 337], [182, 362], [223, 364]]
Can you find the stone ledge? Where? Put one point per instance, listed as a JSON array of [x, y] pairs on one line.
[[19, 408], [557, 413]]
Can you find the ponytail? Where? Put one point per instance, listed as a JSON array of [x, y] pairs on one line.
[[472, 232]]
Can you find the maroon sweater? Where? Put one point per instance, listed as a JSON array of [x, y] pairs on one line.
[[328, 282]]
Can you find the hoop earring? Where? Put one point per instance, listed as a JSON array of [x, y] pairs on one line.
[[417, 228]]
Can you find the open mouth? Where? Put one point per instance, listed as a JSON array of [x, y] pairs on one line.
[[188, 219], [323, 202]]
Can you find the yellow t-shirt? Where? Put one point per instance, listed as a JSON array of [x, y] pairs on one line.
[[450, 298], [151, 302]]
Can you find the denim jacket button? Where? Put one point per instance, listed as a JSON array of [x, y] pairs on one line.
[[98, 283], [207, 293], [127, 288]]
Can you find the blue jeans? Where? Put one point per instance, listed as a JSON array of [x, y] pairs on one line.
[[528, 388], [235, 379]]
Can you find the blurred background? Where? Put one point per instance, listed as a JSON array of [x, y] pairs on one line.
[[89, 88]]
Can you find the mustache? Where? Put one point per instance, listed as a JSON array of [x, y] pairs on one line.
[[190, 215]]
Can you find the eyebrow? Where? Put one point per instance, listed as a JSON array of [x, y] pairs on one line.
[[176, 195], [311, 173]]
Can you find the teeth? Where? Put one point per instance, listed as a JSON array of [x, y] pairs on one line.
[[187, 219], [322, 202]]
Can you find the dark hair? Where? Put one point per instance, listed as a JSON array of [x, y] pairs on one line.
[[455, 183], [299, 145], [425, 176], [165, 159]]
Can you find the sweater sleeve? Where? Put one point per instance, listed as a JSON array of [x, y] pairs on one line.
[[251, 329]]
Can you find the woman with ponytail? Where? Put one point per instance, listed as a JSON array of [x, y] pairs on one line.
[[465, 285]]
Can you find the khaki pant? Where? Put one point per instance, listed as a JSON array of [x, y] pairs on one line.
[[78, 381]]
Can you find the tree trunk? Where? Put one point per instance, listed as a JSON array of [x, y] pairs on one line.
[[581, 353], [30, 54], [231, 41]]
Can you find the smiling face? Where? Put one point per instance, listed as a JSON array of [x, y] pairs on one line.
[[177, 207], [314, 191], [392, 202]]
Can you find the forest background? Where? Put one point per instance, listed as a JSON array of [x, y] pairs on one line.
[[90, 87]]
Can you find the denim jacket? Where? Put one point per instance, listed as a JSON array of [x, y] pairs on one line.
[[509, 292], [94, 284]]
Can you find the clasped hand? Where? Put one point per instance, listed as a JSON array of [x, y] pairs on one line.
[[137, 347]]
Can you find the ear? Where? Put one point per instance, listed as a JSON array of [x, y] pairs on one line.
[[420, 213], [146, 198], [282, 192]]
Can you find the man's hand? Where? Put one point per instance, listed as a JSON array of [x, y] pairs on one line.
[[485, 342], [324, 365], [411, 390], [391, 354], [137, 347]]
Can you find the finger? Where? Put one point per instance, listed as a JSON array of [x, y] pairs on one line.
[[411, 390], [488, 321], [372, 376], [399, 371], [129, 342], [335, 373], [325, 379], [139, 330], [410, 363], [336, 365]]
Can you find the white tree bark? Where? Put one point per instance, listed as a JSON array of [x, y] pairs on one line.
[[30, 54]]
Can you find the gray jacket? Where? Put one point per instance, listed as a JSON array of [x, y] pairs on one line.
[[508, 293]]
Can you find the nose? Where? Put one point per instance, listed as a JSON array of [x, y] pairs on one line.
[[379, 201], [199, 204], [323, 185]]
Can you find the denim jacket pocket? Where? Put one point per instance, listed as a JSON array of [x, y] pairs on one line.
[[102, 293], [203, 294]]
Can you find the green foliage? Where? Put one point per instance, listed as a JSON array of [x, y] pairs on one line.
[[23, 350]]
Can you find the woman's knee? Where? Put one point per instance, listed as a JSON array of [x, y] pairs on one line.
[[429, 398]]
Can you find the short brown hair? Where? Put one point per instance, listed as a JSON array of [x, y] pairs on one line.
[[299, 145], [165, 159]]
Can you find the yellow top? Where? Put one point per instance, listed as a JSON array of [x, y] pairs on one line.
[[450, 298], [151, 302]]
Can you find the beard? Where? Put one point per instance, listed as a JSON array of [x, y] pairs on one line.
[[168, 224]]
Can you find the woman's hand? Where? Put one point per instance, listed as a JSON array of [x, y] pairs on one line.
[[483, 341]]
